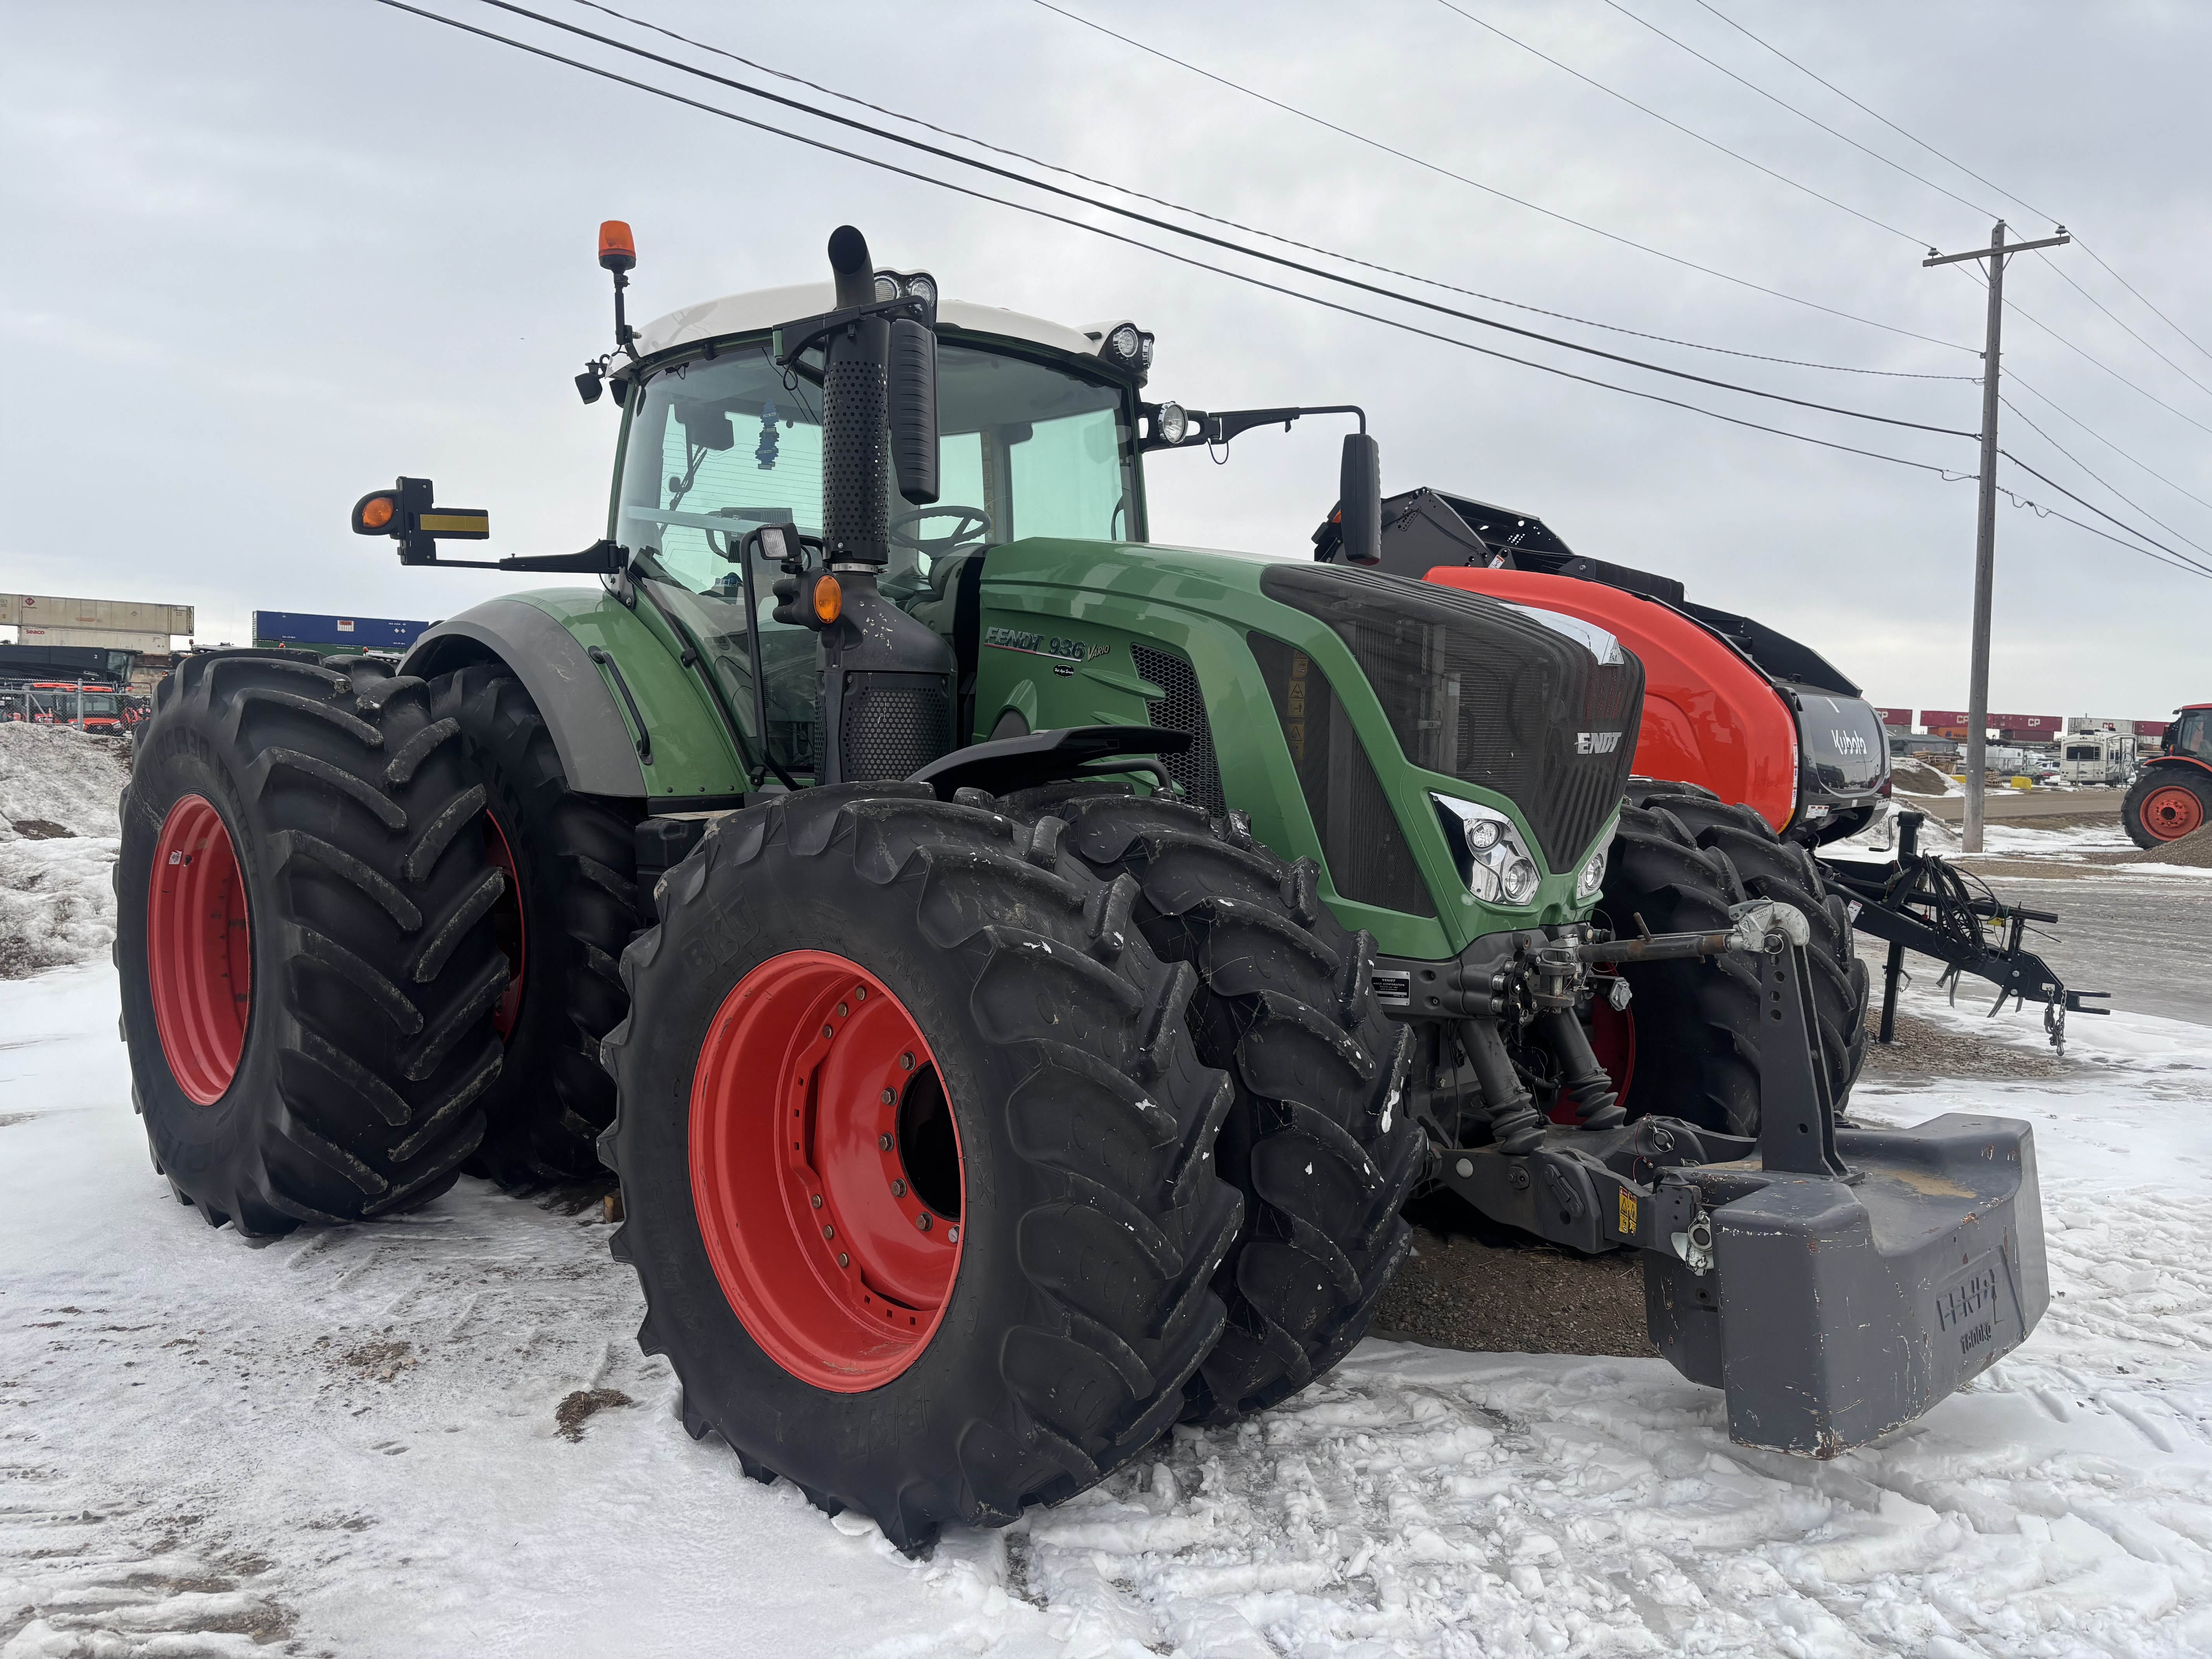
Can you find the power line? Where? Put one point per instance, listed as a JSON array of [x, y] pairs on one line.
[[1489, 190], [2131, 288], [1115, 236], [2095, 362], [1185, 259], [1784, 178], [2132, 460], [2043, 511], [2085, 467], [1770, 46], [1239, 225], [1952, 161], [2171, 552], [1207, 238], [1801, 115], [2132, 335]]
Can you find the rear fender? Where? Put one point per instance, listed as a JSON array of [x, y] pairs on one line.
[[2179, 760]]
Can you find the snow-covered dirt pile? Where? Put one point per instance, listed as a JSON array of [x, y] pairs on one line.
[[360, 1442], [1914, 777], [2193, 851], [58, 790]]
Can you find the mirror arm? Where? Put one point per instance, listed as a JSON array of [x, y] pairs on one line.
[[602, 558], [1219, 428]]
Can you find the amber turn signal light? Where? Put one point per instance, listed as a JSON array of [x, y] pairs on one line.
[[828, 600], [618, 252], [372, 514]]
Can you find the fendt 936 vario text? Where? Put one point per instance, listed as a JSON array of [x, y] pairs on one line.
[[1016, 971]]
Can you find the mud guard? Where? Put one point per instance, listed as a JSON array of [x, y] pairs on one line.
[[597, 753]]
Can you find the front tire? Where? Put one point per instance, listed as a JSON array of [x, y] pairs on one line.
[[933, 1312], [308, 974], [1315, 1140]]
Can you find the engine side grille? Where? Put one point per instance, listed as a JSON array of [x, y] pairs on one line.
[[895, 724], [1183, 710], [1486, 693]]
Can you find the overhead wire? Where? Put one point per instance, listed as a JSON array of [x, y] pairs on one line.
[[1801, 115], [1490, 190], [1692, 132], [1206, 237], [2027, 421], [1115, 236], [2043, 511], [2043, 254], [2013, 376], [1951, 160], [1185, 259], [1239, 225], [2199, 565]]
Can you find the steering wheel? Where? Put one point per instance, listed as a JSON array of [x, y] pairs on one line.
[[974, 523]]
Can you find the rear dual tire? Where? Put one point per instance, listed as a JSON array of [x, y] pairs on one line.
[[306, 966]]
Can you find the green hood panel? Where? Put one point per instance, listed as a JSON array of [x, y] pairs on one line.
[[1068, 629]]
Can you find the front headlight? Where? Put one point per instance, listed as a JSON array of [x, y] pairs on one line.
[[1592, 877], [1496, 864]]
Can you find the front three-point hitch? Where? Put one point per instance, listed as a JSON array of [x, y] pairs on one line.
[[1835, 1281]]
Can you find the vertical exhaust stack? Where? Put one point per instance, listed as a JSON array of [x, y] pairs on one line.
[[855, 402], [887, 700]]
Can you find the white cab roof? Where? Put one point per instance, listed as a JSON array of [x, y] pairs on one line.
[[762, 308]]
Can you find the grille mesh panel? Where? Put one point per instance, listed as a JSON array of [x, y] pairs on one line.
[[1183, 710], [894, 724], [1480, 691]]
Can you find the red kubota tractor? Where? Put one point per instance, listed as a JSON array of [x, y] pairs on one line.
[[2173, 796]]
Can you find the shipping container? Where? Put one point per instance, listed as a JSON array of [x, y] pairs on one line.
[[114, 639], [125, 616], [312, 629]]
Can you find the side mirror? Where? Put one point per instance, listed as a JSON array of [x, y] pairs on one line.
[[1359, 498], [912, 396]]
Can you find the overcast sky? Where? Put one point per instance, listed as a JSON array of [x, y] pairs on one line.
[[262, 258]]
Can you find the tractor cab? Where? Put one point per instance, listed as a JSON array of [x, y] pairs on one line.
[[1037, 433]]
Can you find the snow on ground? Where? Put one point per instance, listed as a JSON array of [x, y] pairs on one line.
[[58, 790], [349, 1443]]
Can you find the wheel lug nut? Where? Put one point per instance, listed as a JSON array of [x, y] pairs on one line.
[[829, 1232], [842, 1010], [828, 1031], [922, 1221], [844, 1260], [898, 1189], [889, 1096], [817, 1200], [952, 1235], [906, 1062], [860, 994], [883, 1143]]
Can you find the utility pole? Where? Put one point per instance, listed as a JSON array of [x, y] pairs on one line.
[[1985, 522]]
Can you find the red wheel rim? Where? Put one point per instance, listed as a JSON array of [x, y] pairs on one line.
[[2171, 813], [507, 930], [199, 950], [1612, 1039], [826, 1170]]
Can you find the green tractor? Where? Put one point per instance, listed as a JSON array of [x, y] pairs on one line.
[[1016, 972]]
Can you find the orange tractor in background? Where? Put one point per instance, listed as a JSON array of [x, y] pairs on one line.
[[2173, 796]]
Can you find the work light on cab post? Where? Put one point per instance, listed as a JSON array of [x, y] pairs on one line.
[[618, 257]]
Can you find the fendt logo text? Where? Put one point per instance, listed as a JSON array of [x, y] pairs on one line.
[[1596, 743]]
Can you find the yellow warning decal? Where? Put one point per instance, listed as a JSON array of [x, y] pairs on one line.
[[1627, 1213]]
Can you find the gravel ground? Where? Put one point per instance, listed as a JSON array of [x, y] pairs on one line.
[[1456, 1291]]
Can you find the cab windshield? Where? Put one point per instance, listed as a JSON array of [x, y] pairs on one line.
[[721, 445]]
